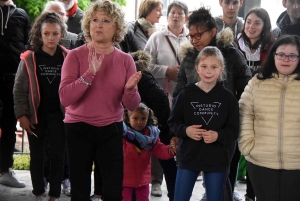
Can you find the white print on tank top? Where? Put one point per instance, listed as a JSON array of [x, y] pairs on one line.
[[206, 110], [51, 72]]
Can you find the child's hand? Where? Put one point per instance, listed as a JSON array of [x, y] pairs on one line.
[[195, 132], [26, 124], [172, 150], [174, 143], [210, 136]]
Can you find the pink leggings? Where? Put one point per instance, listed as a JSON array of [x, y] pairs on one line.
[[142, 193]]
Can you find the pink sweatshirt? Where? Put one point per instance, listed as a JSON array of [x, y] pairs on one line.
[[101, 103]]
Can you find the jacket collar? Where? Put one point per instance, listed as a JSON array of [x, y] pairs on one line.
[[284, 21], [222, 40]]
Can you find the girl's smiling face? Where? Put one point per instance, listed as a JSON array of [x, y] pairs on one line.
[[209, 70], [285, 66]]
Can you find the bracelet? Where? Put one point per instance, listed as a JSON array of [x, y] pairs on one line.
[[82, 80]]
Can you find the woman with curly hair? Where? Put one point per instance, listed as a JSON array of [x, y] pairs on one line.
[[97, 81], [37, 102]]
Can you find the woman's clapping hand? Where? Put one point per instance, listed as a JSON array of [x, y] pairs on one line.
[[133, 80], [94, 62]]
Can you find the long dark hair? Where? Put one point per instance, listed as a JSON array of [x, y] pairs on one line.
[[268, 67], [266, 34], [46, 17]]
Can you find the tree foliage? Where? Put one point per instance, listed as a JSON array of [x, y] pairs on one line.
[[35, 7]]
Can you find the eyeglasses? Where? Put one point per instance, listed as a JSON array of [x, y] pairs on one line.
[[197, 36], [282, 56]]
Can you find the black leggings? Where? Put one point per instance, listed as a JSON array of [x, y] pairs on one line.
[[274, 185], [104, 144], [234, 166]]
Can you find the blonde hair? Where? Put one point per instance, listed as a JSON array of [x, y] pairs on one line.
[[212, 51], [111, 9], [147, 6]]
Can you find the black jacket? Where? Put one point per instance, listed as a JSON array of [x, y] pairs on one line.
[[284, 26], [238, 73], [155, 98], [217, 110], [130, 43], [15, 28]]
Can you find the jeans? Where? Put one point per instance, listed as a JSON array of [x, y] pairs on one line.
[[104, 144], [185, 181]]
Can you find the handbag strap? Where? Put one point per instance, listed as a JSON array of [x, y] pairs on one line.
[[174, 52]]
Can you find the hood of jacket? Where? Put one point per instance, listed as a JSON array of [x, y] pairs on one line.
[[223, 39], [284, 21], [237, 27], [167, 32], [142, 60], [11, 6]]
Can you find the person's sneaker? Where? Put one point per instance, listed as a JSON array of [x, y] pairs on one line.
[[248, 199], [66, 189], [10, 179], [41, 198], [95, 199], [237, 197], [156, 190], [203, 197]]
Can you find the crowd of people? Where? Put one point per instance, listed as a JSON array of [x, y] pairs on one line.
[[138, 103]]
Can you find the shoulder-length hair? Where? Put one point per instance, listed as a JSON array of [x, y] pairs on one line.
[[147, 6], [268, 67], [266, 34], [36, 31], [110, 9]]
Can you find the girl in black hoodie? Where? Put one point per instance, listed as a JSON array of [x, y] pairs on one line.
[[205, 117]]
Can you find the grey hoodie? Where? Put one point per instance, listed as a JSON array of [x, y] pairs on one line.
[[236, 29], [284, 26]]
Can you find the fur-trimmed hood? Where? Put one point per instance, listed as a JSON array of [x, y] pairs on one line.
[[142, 60], [223, 39]]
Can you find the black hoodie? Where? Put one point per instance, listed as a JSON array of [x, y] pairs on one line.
[[216, 110], [284, 26], [15, 27]]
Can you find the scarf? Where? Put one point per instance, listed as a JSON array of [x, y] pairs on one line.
[[140, 140], [72, 11], [148, 28]]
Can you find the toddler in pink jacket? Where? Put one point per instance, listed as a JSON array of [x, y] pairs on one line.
[[141, 138]]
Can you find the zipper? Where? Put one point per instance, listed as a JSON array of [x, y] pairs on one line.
[[281, 122]]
